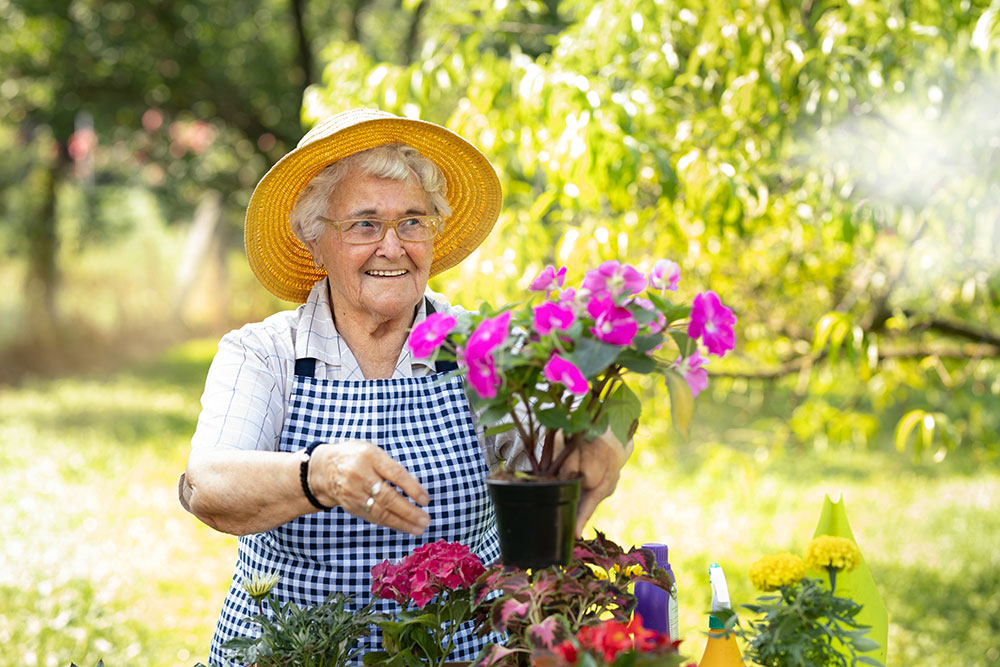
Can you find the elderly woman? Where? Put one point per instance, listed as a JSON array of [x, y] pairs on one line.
[[321, 442]]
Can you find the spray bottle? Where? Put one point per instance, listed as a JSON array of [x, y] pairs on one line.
[[721, 649], [657, 607]]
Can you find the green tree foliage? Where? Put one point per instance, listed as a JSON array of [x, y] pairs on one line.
[[830, 168], [100, 96]]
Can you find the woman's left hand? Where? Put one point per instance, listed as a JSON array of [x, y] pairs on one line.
[[599, 461]]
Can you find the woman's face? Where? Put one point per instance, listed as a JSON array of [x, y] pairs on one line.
[[383, 280]]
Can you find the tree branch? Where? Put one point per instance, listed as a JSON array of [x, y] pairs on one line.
[[915, 351], [960, 330], [305, 53], [412, 35]]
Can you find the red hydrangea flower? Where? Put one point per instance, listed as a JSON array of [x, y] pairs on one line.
[[428, 570]]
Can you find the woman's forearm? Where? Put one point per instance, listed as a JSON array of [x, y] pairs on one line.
[[243, 492]]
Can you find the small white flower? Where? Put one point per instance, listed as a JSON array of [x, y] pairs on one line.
[[260, 584]]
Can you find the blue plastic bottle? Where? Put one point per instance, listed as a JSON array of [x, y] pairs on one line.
[[657, 607]]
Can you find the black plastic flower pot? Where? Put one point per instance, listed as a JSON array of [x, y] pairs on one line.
[[536, 521]]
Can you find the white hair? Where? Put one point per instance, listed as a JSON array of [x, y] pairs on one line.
[[396, 161]]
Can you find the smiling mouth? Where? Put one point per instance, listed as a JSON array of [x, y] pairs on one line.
[[387, 274]]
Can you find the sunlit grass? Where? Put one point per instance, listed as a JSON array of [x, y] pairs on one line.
[[98, 560], [96, 548], [928, 534]]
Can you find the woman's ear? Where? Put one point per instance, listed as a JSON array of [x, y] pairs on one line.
[[313, 247]]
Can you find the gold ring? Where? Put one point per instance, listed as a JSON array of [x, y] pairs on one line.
[[369, 503], [376, 487]]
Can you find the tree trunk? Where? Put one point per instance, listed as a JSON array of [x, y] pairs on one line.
[[42, 280]]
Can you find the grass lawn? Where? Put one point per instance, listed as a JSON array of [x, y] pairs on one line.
[[98, 560]]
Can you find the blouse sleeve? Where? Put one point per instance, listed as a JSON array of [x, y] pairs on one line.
[[243, 405]]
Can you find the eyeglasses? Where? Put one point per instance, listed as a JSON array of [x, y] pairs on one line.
[[361, 231]]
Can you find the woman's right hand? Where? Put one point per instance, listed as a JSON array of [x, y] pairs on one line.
[[345, 473]]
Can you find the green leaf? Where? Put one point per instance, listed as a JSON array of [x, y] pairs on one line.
[[553, 419], [647, 343], [905, 426], [636, 361], [493, 414], [683, 342], [592, 356], [865, 644], [500, 428], [681, 402], [623, 408]]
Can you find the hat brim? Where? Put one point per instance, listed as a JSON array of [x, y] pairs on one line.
[[285, 266]]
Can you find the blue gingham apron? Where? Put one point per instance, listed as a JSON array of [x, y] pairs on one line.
[[422, 422]]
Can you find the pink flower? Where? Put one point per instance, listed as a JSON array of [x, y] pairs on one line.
[[482, 373], [478, 357], [566, 373], [612, 324], [665, 275], [490, 333], [427, 336], [567, 298], [550, 315], [389, 583], [612, 278], [692, 368], [713, 323], [548, 279], [426, 572]]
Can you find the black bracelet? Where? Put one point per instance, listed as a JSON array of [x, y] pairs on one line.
[[304, 476]]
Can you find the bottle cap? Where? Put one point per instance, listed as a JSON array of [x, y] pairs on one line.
[[660, 552]]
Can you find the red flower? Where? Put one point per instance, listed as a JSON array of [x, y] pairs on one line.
[[427, 571], [566, 651]]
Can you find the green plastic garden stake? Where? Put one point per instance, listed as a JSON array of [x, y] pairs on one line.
[[859, 584]]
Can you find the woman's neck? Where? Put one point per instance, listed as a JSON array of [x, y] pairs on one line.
[[375, 342]]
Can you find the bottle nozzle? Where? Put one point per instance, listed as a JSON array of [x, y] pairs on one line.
[[720, 594]]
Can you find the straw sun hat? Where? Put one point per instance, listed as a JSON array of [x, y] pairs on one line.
[[284, 265]]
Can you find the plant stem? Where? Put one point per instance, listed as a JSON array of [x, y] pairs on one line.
[[526, 436]]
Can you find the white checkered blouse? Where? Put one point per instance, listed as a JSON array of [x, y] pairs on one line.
[[253, 373]]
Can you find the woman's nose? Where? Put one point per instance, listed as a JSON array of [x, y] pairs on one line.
[[390, 245]]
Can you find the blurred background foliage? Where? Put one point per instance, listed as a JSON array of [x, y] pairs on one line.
[[831, 169]]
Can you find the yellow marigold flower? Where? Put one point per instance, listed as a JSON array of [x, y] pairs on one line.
[[259, 585], [772, 572], [828, 552]]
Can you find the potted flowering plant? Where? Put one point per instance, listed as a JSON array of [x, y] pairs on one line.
[[324, 635], [541, 610], [806, 623], [613, 644], [553, 369], [433, 585]]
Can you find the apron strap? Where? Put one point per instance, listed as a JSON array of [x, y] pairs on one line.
[[440, 365], [307, 367]]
